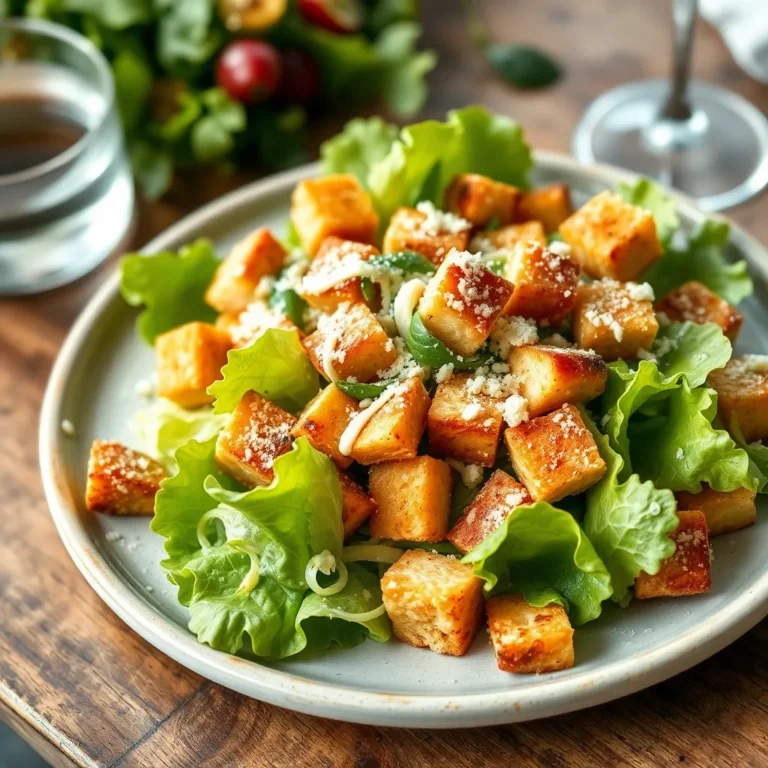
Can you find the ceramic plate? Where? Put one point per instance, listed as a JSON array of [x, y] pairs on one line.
[[92, 385]]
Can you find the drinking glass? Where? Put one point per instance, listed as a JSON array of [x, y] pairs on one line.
[[66, 192], [699, 138]]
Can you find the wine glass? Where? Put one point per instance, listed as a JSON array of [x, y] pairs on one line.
[[704, 140]]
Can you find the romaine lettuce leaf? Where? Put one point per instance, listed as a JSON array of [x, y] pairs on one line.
[[542, 552], [627, 522], [318, 619], [171, 287], [275, 365], [214, 531], [163, 427], [681, 449], [691, 350], [649, 195], [471, 140], [758, 456]]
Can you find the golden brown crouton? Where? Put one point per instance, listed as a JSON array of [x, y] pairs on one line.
[[506, 238], [433, 601], [526, 639], [394, 431], [545, 284], [687, 572], [555, 455], [334, 256], [324, 420], [189, 360], [550, 376], [611, 238], [413, 499], [497, 499], [333, 205], [462, 301], [725, 511], [551, 205], [464, 426], [121, 481], [695, 302], [742, 395], [412, 230], [614, 319], [259, 432], [356, 505], [247, 326], [234, 284], [355, 341], [480, 200]]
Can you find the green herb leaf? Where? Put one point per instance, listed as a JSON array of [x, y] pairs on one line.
[[275, 365], [430, 351], [152, 166], [113, 14], [407, 262], [543, 553], [523, 65], [213, 136], [170, 285], [133, 83], [362, 391], [287, 302]]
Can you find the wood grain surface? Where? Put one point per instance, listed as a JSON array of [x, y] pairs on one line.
[[86, 691]]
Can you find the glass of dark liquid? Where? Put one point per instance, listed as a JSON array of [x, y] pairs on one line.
[[66, 193]]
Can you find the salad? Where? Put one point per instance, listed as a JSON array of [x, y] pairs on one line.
[[441, 399]]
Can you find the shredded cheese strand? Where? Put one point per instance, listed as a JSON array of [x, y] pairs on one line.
[[318, 563], [360, 618], [405, 303]]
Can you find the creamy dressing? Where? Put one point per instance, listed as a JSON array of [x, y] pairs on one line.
[[322, 283], [405, 303], [359, 422], [329, 349]]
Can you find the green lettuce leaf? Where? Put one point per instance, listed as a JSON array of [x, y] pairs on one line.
[[297, 516], [318, 620], [649, 195], [703, 259], [471, 140], [681, 449], [542, 552], [275, 365], [163, 427], [171, 287], [627, 522], [758, 456], [691, 350]]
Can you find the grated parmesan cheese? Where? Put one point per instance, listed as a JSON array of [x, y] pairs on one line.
[[444, 373], [515, 410], [68, 428], [471, 474], [437, 221], [559, 248], [511, 332]]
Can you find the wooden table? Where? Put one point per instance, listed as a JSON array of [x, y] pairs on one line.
[[86, 691]]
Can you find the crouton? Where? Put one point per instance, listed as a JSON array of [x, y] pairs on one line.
[[247, 326], [526, 639], [412, 230], [333, 258], [333, 205], [551, 376], [189, 360], [742, 395], [324, 420], [356, 505], [695, 302], [480, 200], [611, 238], [237, 277], [725, 511], [355, 341], [555, 455], [545, 284], [506, 238], [551, 205], [121, 481], [613, 319], [258, 433], [687, 572], [433, 602], [394, 431], [413, 499], [462, 301], [464, 426], [497, 499]]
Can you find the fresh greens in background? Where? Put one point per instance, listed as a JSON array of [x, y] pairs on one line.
[[217, 82]]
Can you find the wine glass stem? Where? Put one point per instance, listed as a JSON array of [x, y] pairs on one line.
[[684, 14]]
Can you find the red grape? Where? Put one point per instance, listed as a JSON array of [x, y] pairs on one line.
[[336, 15], [301, 82], [249, 70]]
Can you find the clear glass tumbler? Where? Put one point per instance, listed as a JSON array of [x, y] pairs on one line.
[[66, 192], [699, 138]]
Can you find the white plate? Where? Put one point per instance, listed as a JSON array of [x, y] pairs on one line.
[[92, 384]]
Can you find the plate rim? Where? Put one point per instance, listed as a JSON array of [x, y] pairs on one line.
[[541, 697]]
